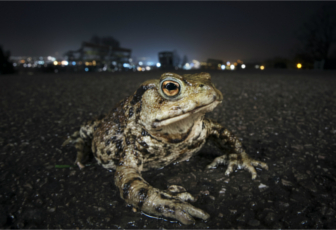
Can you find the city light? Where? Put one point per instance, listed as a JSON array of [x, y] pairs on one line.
[[228, 63], [256, 66], [158, 64], [65, 63], [262, 67], [223, 67], [139, 68], [148, 68], [243, 66], [140, 63], [299, 65], [73, 63], [197, 64], [187, 66], [94, 62], [55, 63], [51, 58], [86, 69], [232, 67], [126, 65]]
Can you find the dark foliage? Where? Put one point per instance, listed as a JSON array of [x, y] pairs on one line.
[[6, 66]]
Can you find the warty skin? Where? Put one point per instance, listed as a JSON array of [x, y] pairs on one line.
[[161, 123]]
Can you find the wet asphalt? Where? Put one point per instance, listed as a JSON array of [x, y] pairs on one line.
[[285, 118]]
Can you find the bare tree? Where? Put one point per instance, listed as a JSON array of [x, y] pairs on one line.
[[108, 41], [319, 33]]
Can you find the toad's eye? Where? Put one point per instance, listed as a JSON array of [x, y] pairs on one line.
[[170, 88]]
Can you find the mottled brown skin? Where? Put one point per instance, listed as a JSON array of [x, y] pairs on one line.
[[150, 130]]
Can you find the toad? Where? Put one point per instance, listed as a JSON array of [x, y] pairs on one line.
[[161, 123]]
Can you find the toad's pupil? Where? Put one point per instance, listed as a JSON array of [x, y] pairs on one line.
[[171, 86]]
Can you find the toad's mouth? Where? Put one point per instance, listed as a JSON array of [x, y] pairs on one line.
[[205, 108]]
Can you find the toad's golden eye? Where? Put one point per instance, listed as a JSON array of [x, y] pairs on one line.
[[170, 88]]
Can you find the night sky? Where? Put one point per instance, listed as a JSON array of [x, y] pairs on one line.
[[222, 30]]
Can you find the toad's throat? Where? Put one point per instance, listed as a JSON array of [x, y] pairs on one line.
[[205, 108]]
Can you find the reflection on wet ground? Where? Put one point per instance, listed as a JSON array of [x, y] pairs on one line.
[[284, 118]]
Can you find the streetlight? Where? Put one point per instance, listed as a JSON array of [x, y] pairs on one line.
[[299, 65]]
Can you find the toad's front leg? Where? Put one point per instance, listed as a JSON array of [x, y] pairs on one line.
[[171, 203], [237, 157]]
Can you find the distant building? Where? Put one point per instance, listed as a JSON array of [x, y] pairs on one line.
[[92, 54], [212, 64], [166, 59]]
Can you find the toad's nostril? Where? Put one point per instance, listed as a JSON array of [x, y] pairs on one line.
[[201, 85], [214, 97]]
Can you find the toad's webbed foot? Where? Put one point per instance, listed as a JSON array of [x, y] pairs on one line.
[[240, 161], [83, 148], [170, 203], [178, 192], [174, 206]]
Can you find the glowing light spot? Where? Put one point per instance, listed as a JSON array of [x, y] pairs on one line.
[[86, 69], [223, 67], [197, 64], [55, 63], [262, 67], [299, 65], [232, 67], [158, 64], [126, 65], [51, 58], [243, 66], [148, 68]]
